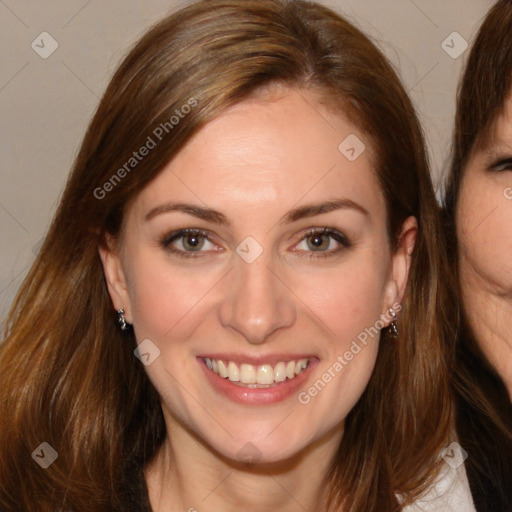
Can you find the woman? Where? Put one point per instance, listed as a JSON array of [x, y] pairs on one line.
[[479, 218], [211, 323]]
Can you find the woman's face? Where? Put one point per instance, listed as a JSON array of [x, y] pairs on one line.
[[484, 212], [284, 264]]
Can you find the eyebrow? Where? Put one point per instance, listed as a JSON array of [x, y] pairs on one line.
[[495, 145], [497, 154], [301, 212]]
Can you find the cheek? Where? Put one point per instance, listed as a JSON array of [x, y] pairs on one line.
[[484, 229], [164, 298], [348, 298], [349, 303]]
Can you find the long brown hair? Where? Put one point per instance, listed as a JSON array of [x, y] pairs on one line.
[[484, 413], [68, 376]]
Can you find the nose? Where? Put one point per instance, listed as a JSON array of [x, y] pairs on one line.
[[258, 302]]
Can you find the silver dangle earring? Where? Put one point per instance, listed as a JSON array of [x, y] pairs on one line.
[[393, 327], [121, 320]]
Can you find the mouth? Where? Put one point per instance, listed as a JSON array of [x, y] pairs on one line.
[[255, 381], [257, 376]]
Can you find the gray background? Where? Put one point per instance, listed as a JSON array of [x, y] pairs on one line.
[[46, 104]]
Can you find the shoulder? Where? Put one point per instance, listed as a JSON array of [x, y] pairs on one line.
[[450, 493]]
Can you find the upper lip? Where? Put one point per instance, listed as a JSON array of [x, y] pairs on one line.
[[256, 360]]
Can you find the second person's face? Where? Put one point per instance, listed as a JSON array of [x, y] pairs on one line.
[[484, 212]]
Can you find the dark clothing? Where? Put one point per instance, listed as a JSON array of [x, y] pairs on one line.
[[135, 497], [489, 447]]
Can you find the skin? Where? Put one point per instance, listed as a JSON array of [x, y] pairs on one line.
[[254, 163], [484, 230]]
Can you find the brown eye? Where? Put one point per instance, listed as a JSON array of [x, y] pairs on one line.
[[318, 242], [323, 241], [193, 242], [188, 242]]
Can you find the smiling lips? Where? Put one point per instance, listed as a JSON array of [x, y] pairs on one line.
[[263, 375]]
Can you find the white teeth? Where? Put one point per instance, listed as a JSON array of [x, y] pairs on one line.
[[247, 374], [290, 369], [280, 372], [223, 371], [233, 372], [263, 375], [301, 365]]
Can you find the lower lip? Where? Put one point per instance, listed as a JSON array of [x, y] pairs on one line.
[[257, 396]]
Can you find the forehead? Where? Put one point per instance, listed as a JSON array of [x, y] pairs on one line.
[[282, 148], [499, 136]]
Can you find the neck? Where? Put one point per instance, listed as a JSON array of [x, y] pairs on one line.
[[186, 475], [489, 313]]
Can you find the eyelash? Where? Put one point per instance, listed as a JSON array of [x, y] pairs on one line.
[[339, 237], [502, 165]]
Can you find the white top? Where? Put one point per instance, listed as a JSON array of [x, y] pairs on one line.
[[450, 493]]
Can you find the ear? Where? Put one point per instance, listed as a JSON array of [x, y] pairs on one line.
[[115, 277], [401, 263]]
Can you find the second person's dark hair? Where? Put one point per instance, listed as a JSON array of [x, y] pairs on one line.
[[483, 408]]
